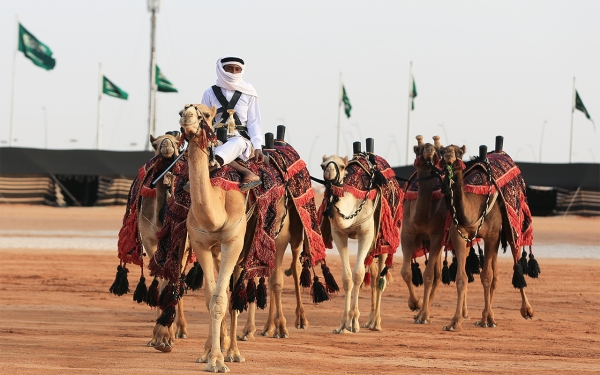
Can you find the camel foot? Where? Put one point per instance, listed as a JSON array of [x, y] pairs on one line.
[[449, 328], [282, 336], [163, 347], [483, 324], [204, 357], [424, 321], [247, 337], [234, 357], [181, 336], [221, 369], [341, 330], [527, 312], [415, 305], [301, 322]]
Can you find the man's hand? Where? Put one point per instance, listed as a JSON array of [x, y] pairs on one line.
[[259, 156]]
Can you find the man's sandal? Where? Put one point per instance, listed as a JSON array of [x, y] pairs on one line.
[[249, 185]]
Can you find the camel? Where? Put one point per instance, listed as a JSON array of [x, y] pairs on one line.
[[150, 221], [216, 218], [424, 220], [362, 227], [468, 209]]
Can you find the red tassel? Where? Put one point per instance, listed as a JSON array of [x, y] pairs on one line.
[[367, 279]]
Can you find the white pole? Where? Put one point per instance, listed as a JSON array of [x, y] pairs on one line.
[[572, 111], [410, 101], [153, 97], [100, 87], [14, 88], [153, 7], [339, 135]]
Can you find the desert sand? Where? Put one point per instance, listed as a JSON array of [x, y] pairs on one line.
[[57, 316]]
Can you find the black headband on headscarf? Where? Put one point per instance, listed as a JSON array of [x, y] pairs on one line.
[[232, 59]]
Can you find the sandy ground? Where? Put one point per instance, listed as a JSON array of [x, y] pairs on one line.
[[57, 317]]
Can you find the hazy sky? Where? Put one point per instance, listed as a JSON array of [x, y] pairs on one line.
[[482, 68]]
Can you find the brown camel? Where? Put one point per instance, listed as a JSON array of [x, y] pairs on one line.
[[216, 218], [149, 223], [423, 221], [362, 227], [469, 209]]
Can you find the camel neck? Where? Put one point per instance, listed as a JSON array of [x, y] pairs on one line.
[[424, 195], [460, 202]]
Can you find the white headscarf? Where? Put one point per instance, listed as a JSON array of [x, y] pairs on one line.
[[231, 81]]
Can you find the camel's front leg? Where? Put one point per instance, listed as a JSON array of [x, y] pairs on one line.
[[206, 262], [250, 327], [162, 337], [461, 281], [296, 243], [408, 247], [487, 281], [372, 270], [380, 281], [365, 240], [430, 282], [269, 329], [341, 242], [180, 322]]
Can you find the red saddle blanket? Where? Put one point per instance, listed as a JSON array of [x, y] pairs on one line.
[[357, 182], [508, 182], [287, 173]]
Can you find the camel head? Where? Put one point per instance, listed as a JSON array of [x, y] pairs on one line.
[[428, 152], [453, 153], [334, 168], [192, 119], [166, 145]]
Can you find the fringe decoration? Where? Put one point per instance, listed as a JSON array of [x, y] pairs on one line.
[[305, 279], [167, 317], [472, 265], [533, 268], [195, 278], [367, 279], [445, 273], [330, 283], [261, 294], [251, 290], [318, 292], [523, 262], [167, 302], [453, 269], [503, 240], [148, 192], [518, 280], [121, 285], [141, 291], [417, 276], [239, 296], [470, 277], [288, 272], [384, 271], [152, 297], [381, 283]]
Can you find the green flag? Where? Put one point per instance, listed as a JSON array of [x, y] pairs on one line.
[[346, 101], [113, 90], [36, 51], [579, 105], [162, 83], [413, 94]]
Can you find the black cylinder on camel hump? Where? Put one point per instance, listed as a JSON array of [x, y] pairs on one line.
[[269, 141], [370, 145], [483, 152], [280, 140], [356, 148], [499, 143]]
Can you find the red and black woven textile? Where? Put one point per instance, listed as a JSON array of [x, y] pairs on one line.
[[359, 173], [130, 248], [411, 187], [507, 179]]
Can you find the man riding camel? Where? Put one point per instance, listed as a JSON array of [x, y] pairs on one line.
[[231, 92]]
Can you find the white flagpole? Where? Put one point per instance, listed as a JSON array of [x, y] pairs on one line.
[[153, 97], [410, 101], [14, 88], [99, 125], [572, 111], [339, 135]]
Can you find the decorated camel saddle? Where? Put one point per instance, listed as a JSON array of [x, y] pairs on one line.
[[369, 177]]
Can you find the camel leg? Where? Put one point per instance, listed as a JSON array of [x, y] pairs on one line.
[[163, 337], [276, 284], [430, 282], [487, 281], [180, 322], [365, 239], [301, 321], [460, 250], [206, 262], [250, 327], [269, 329], [527, 311], [341, 242], [408, 247], [372, 270], [376, 323]]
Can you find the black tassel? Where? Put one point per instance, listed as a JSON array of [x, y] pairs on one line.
[[533, 268], [166, 296], [141, 291], [251, 290], [523, 262], [288, 272], [453, 269], [261, 294], [330, 283], [503, 240], [305, 279], [417, 275], [195, 277], [472, 265], [231, 283], [152, 297], [481, 256], [318, 292], [384, 271], [167, 317], [470, 277], [121, 285], [445, 273], [239, 297], [181, 289], [518, 280]]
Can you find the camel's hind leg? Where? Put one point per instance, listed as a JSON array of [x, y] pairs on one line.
[[460, 250], [163, 337], [380, 284], [365, 239], [341, 242], [301, 321], [181, 331], [372, 270], [431, 280], [408, 247], [233, 353], [250, 327]]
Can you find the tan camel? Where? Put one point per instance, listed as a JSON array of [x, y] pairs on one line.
[[216, 218], [423, 221], [469, 208], [361, 227], [150, 221]]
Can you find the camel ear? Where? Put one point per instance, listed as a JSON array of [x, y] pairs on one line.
[[213, 111], [416, 148], [325, 157], [346, 160], [463, 149], [152, 139], [181, 113]]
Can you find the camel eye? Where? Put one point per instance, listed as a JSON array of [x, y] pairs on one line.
[[322, 167]]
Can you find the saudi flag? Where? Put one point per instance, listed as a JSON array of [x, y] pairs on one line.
[[413, 94], [579, 105], [36, 51], [113, 90], [346, 101], [162, 83]]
